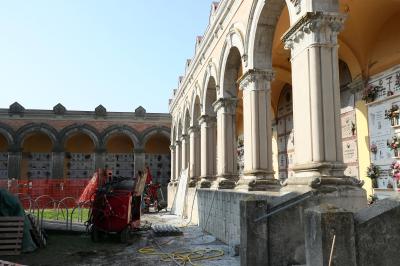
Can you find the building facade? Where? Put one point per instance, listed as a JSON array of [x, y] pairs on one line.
[[274, 99], [56, 152]]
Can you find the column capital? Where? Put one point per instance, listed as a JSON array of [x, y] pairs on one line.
[[258, 77], [193, 129], [314, 28], [178, 142], [184, 137], [206, 119], [227, 104], [172, 147]]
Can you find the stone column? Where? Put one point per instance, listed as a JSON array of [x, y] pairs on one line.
[[58, 156], [178, 159], [258, 170], [139, 158], [194, 156], [316, 100], [185, 151], [173, 168], [208, 153], [14, 163], [100, 158], [226, 143]]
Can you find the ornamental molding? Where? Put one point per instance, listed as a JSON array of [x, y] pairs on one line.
[[16, 108], [59, 109], [256, 77], [323, 27], [100, 110]]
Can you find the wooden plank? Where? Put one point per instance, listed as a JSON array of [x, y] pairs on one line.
[[11, 229], [13, 224], [11, 240], [10, 235], [11, 218], [10, 247]]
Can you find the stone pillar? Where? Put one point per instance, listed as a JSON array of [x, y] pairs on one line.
[[329, 235], [194, 156], [100, 159], [185, 151], [14, 163], [178, 158], [139, 160], [316, 100], [226, 143], [258, 170], [208, 145], [173, 168], [58, 156]]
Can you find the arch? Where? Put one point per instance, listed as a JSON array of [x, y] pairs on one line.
[[7, 132], [79, 128], [25, 130], [186, 121], [151, 131], [195, 110], [233, 44], [210, 82], [260, 32], [121, 129]]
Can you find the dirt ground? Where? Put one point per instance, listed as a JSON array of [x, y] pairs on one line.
[[78, 249]]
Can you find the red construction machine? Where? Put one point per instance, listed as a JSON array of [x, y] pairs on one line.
[[115, 206]]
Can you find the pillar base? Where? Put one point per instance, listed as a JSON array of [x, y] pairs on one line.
[[206, 182], [173, 183], [321, 182], [225, 182], [193, 181], [252, 181]]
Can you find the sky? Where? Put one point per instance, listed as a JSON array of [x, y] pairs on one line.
[[82, 53]]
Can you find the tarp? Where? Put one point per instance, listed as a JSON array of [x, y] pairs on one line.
[[11, 206], [90, 190]]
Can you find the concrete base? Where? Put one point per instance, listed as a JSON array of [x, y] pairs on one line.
[[257, 183], [191, 211], [224, 182]]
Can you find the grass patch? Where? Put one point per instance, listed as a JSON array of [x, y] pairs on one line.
[[61, 214]]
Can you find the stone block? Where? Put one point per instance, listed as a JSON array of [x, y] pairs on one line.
[[329, 236], [253, 236], [378, 233]]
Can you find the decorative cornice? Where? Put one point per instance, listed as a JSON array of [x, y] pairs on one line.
[[323, 25], [257, 77], [140, 111]]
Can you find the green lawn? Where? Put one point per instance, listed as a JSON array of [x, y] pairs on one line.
[[51, 214]]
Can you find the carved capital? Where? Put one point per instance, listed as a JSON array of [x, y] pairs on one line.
[[193, 129], [172, 147], [184, 137], [315, 28], [206, 119], [256, 79], [225, 105]]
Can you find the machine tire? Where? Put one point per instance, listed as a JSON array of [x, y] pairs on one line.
[[124, 235], [96, 235]]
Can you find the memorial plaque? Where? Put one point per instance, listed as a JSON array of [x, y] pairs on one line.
[[348, 124], [350, 151]]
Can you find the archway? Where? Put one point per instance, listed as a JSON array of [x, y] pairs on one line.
[[158, 158], [3, 157], [119, 155], [80, 156], [36, 156]]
